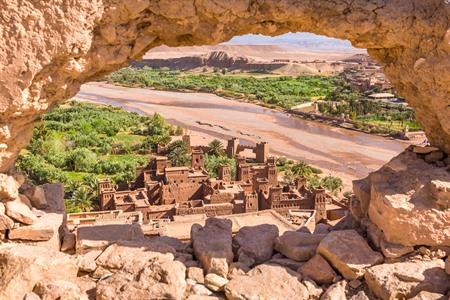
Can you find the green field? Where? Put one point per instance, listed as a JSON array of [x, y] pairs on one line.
[[278, 91]]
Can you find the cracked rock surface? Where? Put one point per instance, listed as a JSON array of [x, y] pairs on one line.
[[49, 48]]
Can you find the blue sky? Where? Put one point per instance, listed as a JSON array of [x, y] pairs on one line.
[[300, 39]]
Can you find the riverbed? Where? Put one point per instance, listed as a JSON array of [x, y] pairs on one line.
[[337, 151]]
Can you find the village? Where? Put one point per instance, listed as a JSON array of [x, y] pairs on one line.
[[162, 196]]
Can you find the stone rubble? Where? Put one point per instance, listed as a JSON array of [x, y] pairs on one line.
[[299, 246]]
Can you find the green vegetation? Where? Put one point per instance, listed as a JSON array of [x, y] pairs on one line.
[[293, 170], [284, 91], [371, 116], [281, 92], [78, 143], [216, 157]]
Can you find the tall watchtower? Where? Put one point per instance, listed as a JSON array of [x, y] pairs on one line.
[[320, 204], [197, 160], [225, 173], [232, 147]]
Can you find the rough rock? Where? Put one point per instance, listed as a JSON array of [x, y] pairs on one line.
[[237, 269], [335, 292], [255, 242], [200, 289], [390, 250], [175, 243], [213, 245], [58, 289], [318, 269], [195, 274], [9, 189], [215, 282], [361, 189], [349, 253], [402, 202], [121, 253], [424, 295], [299, 246], [267, 281], [42, 230], [99, 237], [434, 156], [406, 279], [424, 150], [447, 265], [361, 295], [23, 266], [24, 199], [286, 262], [31, 296], [314, 290], [322, 228], [204, 297], [20, 212], [5, 222], [155, 278], [68, 242], [54, 197], [36, 194], [86, 262]]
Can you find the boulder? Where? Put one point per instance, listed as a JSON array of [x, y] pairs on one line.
[[424, 295], [255, 242], [196, 274], [36, 194], [349, 253], [361, 189], [403, 205], [68, 241], [318, 269], [86, 262], [175, 243], [424, 150], [215, 282], [31, 296], [54, 196], [9, 188], [100, 237], [213, 245], [43, 229], [117, 255], [406, 279], [59, 289], [322, 228], [23, 266], [20, 212], [5, 222], [314, 290], [237, 269], [335, 292], [447, 265], [157, 278], [200, 289], [299, 246], [287, 262], [267, 281], [390, 250], [24, 199], [434, 156], [361, 295]]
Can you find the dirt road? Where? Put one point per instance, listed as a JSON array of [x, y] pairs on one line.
[[337, 151]]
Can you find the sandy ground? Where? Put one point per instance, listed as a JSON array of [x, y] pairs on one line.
[[347, 154]]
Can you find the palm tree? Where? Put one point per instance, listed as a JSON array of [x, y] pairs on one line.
[[83, 198], [216, 148]]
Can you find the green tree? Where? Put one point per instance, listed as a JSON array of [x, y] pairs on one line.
[[216, 148], [177, 153], [332, 183], [81, 160], [83, 198]]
